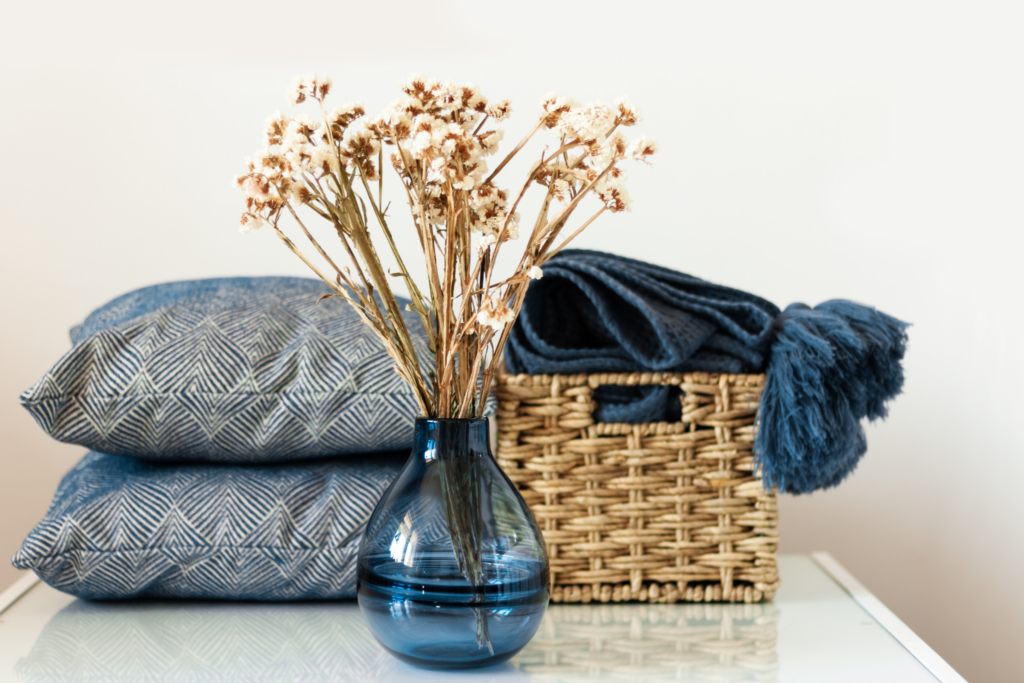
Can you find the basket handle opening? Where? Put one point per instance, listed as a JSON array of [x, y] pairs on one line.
[[638, 403]]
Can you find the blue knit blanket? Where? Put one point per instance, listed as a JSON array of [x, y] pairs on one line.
[[828, 367]]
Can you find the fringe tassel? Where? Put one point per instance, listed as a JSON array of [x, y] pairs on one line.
[[830, 367]]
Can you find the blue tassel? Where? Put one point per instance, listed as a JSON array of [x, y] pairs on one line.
[[830, 367]]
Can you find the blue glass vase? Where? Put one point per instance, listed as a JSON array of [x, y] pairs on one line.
[[413, 587]]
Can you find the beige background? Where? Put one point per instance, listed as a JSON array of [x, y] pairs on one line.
[[810, 151]]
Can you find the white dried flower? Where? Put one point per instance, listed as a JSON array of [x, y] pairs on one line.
[[614, 195], [591, 122], [296, 92], [309, 86], [555, 107], [466, 119], [301, 130], [359, 141], [641, 148], [493, 224], [347, 112], [438, 166], [495, 314], [418, 84], [421, 144], [299, 193], [513, 227], [553, 102], [561, 190], [274, 128], [473, 98], [449, 95], [250, 222], [536, 273], [321, 86], [489, 141], [629, 113], [499, 111], [323, 160], [617, 145], [254, 187]]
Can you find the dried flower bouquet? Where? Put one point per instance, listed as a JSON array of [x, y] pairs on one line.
[[438, 135], [439, 140]]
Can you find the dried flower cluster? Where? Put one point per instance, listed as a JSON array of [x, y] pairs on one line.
[[438, 142]]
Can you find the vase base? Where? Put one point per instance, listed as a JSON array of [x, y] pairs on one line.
[[445, 659], [440, 627]]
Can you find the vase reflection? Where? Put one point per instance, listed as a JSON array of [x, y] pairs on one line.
[[329, 641]]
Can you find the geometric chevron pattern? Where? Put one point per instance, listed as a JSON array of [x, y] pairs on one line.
[[121, 527], [241, 370], [94, 642]]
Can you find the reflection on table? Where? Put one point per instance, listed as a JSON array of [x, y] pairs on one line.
[[193, 641], [641, 642]]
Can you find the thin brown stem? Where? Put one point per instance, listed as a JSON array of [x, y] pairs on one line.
[[546, 255], [522, 143]]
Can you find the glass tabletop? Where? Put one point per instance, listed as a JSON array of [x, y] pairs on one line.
[[812, 631]]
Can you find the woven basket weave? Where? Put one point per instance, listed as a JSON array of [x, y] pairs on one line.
[[656, 512]]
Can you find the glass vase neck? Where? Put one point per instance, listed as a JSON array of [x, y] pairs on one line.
[[468, 435]]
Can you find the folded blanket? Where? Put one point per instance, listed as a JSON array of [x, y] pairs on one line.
[[828, 367]]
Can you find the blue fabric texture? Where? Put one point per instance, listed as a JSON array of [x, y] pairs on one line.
[[244, 370], [828, 367], [600, 312], [153, 641], [831, 366], [121, 527]]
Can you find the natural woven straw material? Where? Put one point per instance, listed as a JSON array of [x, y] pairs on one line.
[[656, 512]]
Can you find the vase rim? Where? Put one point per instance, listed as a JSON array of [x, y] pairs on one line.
[[462, 420]]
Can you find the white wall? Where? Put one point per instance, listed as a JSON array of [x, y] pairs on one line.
[[810, 150]]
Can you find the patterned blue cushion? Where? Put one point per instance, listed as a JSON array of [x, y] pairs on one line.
[[228, 370], [121, 527]]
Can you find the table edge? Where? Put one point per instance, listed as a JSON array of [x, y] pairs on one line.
[[17, 589], [913, 643]]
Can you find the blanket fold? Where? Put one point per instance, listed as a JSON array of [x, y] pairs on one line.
[[828, 367]]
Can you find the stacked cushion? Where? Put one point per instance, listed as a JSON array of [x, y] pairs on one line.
[[242, 431], [122, 527], [241, 370]]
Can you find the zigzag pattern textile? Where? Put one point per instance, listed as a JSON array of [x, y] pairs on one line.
[[243, 370], [121, 527], [101, 642]]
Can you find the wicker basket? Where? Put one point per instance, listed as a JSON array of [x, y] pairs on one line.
[[656, 512]]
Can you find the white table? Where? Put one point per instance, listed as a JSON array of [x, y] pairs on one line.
[[822, 626]]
